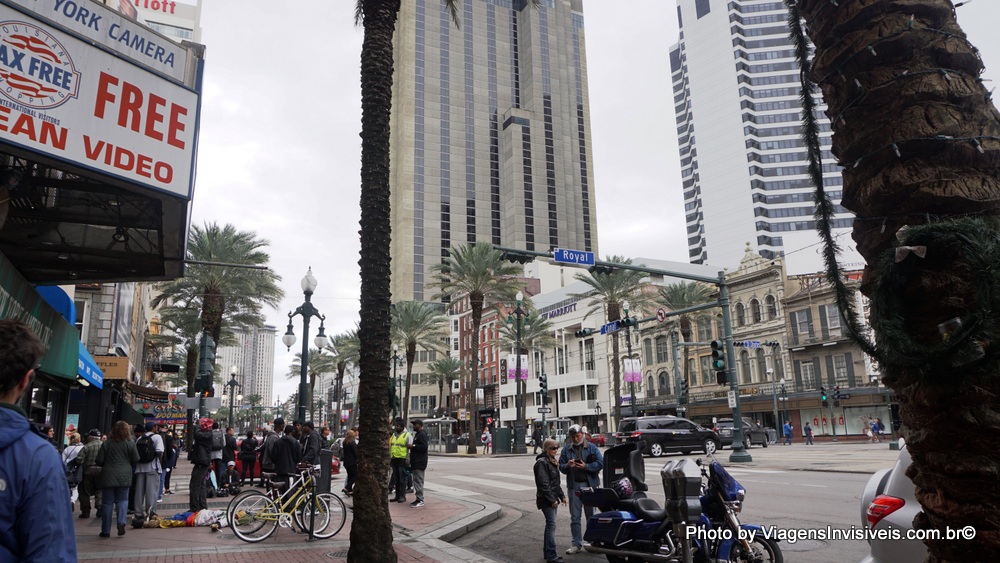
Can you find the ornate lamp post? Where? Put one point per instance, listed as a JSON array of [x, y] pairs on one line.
[[784, 403], [307, 310], [597, 407], [519, 446], [628, 345], [396, 411], [774, 394], [233, 384]]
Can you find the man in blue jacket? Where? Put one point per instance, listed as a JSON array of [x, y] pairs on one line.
[[582, 463], [34, 495]]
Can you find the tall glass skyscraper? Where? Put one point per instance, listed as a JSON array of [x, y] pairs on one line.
[[490, 133], [743, 160]]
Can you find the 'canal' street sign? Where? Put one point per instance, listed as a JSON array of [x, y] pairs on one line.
[[610, 328]]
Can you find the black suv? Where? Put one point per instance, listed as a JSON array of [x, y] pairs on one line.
[[752, 434], [667, 434]]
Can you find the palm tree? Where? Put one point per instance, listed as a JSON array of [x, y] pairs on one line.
[[677, 296], [443, 372], [608, 291], [917, 133], [536, 333], [319, 364], [223, 284], [417, 324], [344, 351], [479, 272]]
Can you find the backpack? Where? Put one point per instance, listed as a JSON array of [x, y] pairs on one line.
[[218, 440], [74, 470], [146, 447]]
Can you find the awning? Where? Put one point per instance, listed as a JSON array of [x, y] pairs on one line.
[[129, 415], [88, 369]]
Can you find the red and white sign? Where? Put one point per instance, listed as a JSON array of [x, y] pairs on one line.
[[661, 315], [75, 102]]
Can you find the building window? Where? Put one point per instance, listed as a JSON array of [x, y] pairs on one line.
[[808, 375], [802, 322], [706, 371], [741, 315], [704, 329], [761, 364], [664, 385], [647, 348], [588, 355], [755, 310], [702, 8], [745, 367], [652, 391], [840, 368], [560, 361], [772, 307], [661, 349], [832, 317]]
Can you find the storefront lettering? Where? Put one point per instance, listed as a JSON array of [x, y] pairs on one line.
[[24, 125], [11, 309]]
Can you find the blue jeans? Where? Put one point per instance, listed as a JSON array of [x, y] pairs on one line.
[[788, 439], [575, 506], [112, 497], [549, 545]]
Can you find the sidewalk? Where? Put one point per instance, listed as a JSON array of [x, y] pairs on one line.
[[420, 534]]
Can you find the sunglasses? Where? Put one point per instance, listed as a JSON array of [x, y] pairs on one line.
[[553, 447]]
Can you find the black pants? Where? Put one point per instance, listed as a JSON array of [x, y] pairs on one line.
[[352, 469], [398, 466], [197, 489], [166, 478], [247, 470]]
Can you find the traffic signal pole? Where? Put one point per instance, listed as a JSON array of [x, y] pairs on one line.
[[739, 454]]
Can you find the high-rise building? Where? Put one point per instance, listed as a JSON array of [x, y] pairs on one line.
[[743, 161], [253, 357], [490, 133], [177, 19]]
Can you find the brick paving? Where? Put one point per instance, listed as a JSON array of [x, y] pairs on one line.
[[414, 531]]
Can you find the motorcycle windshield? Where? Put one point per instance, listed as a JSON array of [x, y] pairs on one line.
[[725, 482]]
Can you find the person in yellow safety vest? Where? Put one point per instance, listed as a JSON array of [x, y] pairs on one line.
[[399, 449]]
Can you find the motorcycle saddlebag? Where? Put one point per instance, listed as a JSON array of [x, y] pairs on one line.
[[614, 527]]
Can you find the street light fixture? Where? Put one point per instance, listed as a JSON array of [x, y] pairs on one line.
[[233, 384], [628, 345], [784, 403], [774, 395], [520, 385], [396, 411], [597, 407], [307, 311]]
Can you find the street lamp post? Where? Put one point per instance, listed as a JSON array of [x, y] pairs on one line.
[[519, 446], [597, 407], [784, 403], [774, 395], [233, 384], [628, 346], [307, 311]]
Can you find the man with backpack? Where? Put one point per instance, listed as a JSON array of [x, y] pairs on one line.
[[218, 444], [147, 473]]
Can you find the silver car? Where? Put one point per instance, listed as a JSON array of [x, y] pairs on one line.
[[889, 501]]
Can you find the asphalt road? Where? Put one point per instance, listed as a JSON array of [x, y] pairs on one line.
[[779, 493]]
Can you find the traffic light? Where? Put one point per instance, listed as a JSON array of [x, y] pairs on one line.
[[516, 256], [210, 392], [682, 393], [629, 321], [584, 333], [543, 384], [822, 396], [206, 363], [719, 361], [836, 396], [599, 269], [503, 371]]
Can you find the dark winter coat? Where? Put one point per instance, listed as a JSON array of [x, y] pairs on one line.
[[311, 444], [418, 453], [350, 454], [116, 460], [34, 504], [201, 453], [286, 455], [229, 450], [547, 488], [248, 448]]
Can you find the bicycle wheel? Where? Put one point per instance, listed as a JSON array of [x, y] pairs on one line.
[[236, 499], [331, 515], [255, 518]]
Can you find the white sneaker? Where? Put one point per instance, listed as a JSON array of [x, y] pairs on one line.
[[574, 550]]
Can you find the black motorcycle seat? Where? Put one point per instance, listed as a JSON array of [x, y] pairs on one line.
[[648, 509]]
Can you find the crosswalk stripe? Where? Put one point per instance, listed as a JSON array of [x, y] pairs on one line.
[[452, 491], [521, 476], [741, 470], [491, 483]]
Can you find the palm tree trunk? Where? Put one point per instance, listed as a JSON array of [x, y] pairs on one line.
[[371, 531], [917, 136], [411, 355], [476, 304]]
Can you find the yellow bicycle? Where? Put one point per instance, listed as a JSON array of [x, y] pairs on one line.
[[256, 515]]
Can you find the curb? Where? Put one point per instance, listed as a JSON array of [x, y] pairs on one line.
[[436, 543]]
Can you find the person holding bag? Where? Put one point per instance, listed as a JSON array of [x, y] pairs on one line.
[[548, 496], [91, 472]]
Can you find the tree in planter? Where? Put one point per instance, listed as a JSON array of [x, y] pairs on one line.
[[417, 324], [478, 272], [919, 139], [608, 290]]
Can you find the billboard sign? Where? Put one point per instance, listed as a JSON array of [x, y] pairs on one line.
[[77, 102]]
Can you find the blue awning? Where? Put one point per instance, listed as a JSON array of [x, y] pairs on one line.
[[88, 369]]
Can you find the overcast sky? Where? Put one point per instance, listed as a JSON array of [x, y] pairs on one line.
[[280, 149]]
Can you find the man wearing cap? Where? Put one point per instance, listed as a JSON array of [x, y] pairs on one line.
[[582, 463], [147, 476], [91, 471]]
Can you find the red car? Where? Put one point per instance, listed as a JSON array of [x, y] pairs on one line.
[[597, 440], [334, 464]]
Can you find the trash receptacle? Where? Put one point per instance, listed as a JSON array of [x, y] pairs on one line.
[[502, 440], [451, 444], [325, 464]]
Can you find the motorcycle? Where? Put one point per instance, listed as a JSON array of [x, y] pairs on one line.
[[699, 523]]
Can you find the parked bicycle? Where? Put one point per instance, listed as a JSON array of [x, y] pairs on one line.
[[254, 515]]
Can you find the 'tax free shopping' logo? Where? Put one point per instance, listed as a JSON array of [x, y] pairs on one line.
[[35, 69]]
